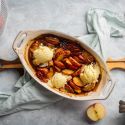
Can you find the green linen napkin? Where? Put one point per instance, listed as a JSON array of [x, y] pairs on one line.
[[101, 25]]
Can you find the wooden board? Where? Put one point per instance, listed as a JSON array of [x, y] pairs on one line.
[[116, 63], [16, 64]]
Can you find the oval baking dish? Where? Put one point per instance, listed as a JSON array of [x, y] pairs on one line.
[[22, 44]]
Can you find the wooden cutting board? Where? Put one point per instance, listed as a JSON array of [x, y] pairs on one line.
[[16, 64], [115, 63]]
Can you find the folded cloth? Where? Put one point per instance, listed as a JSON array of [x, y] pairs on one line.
[[101, 25]]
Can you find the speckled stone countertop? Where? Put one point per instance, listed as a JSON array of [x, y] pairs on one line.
[[67, 16]]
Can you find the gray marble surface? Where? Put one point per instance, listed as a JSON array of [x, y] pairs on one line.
[[67, 16]]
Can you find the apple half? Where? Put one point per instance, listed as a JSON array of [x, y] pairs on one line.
[[96, 112]]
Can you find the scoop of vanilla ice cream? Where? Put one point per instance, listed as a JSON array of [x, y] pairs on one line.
[[90, 73], [42, 55], [59, 80]]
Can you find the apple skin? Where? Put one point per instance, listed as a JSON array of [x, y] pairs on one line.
[[95, 112]]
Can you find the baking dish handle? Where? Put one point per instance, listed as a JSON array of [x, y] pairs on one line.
[[107, 90], [18, 41]]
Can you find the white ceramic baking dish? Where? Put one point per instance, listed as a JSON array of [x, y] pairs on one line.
[[22, 44]]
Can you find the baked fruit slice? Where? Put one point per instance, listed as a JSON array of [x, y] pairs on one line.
[[77, 81], [75, 87], [52, 40], [59, 64], [67, 71], [69, 88]]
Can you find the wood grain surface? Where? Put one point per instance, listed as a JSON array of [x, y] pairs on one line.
[[16, 64]]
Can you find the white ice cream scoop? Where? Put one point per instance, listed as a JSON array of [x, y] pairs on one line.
[[42, 55], [59, 80], [90, 73]]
